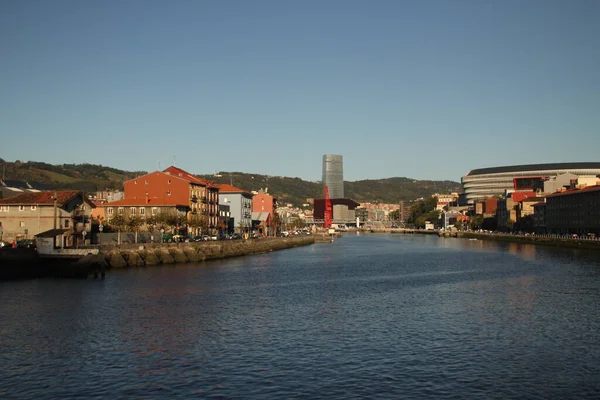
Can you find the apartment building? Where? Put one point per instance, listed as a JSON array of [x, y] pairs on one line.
[[574, 211], [27, 214], [240, 206]]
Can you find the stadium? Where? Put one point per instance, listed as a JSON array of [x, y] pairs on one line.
[[487, 182]]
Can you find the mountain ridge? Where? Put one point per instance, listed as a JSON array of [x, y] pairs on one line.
[[94, 177]]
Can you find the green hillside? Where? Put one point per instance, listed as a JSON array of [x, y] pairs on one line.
[[296, 190], [90, 178], [86, 177]]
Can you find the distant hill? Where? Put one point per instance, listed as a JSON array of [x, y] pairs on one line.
[[296, 190], [85, 177], [91, 178]]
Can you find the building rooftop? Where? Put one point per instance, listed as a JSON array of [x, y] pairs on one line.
[[535, 167], [38, 198], [136, 202], [226, 188]]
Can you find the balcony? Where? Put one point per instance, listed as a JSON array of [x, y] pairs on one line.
[[204, 200], [194, 199]]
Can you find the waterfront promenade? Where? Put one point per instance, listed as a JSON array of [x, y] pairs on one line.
[[580, 242], [583, 242]]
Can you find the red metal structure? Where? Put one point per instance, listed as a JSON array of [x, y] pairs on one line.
[[328, 216]]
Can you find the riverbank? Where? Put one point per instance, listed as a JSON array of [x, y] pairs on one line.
[[543, 240], [140, 255], [27, 264]]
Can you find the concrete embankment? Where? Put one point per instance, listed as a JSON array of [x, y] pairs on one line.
[[537, 240], [139, 255]]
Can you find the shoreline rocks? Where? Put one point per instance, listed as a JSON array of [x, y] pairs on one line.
[[140, 255]]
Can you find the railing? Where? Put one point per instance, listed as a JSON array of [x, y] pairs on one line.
[[538, 235]]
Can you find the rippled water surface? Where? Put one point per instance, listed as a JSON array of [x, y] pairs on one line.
[[371, 316]]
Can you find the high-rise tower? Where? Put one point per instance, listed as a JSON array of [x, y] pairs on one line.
[[333, 175]]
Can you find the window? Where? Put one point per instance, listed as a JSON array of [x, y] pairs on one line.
[[33, 208], [21, 208], [109, 211], [66, 223], [169, 181], [132, 211], [135, 182], [169, 193], [5, 208], [120, 210], [154, 210], [142, 210], [146, 181], [22, 224]]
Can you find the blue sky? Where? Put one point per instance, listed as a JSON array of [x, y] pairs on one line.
[[422, 89]]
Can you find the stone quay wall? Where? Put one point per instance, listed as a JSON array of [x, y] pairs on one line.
[[139, 255], [544, 240]]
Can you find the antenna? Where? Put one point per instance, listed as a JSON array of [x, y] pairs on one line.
[[159, 168], [174, 161]]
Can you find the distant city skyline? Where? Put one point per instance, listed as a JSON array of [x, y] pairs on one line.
[[425, 90]]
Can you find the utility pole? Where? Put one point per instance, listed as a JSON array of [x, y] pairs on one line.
[[55, 209]]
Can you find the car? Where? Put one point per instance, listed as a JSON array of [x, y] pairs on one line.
[[26, 243]]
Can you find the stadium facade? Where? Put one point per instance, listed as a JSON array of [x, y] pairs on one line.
[[488, 182], [333, 175]]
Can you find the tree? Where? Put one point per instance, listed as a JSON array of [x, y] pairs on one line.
[[170, 219], [422, 211], [119, 223], [134, 222], [198, 222], [476, 221]]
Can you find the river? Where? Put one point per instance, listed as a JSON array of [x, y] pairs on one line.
[[384, 316]]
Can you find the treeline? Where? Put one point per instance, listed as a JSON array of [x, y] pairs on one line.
[[420, 212]]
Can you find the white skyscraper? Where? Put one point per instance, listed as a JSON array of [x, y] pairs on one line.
[[333, 175]]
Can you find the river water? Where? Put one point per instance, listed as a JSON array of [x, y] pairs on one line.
[[368, 316]]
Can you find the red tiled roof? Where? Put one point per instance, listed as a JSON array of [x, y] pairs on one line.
[[46, 197], [152, 202], [520, 196], [575, 191], [226, 188], [187, 176]]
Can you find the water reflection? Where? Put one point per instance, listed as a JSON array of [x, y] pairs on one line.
[[395, 316]]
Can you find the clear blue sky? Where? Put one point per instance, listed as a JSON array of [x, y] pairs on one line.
[[422, 89]]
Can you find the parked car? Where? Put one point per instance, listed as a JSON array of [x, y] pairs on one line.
[[26, 243]]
